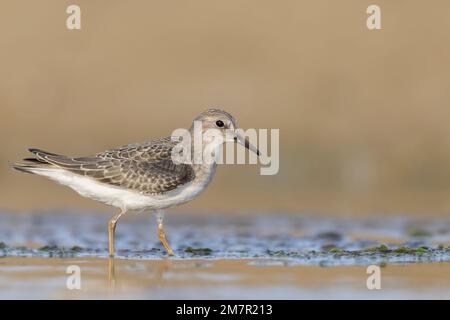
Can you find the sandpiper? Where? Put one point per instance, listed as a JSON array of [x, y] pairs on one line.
[[138, 177]]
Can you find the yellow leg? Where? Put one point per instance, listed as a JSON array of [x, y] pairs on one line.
[[162, 234], [111, 273], [112, 231]]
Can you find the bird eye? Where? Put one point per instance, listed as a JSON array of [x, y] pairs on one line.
[[219, 123]]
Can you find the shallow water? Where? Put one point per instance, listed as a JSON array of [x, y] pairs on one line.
[[299, 239], [219, 256], [43, 278]]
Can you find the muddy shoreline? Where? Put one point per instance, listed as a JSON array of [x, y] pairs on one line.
[[255, 256]]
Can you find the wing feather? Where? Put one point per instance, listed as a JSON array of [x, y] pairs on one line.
[[146, 168]]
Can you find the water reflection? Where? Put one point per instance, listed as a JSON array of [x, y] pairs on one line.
[[154, 270]]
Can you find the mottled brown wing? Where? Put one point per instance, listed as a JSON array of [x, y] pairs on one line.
[[146, 168]]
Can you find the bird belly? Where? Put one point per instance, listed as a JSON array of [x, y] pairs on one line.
[[120, 197]]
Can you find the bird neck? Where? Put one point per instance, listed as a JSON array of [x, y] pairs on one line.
[[206, 153]]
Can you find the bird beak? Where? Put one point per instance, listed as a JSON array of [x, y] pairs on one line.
[[246, 143]]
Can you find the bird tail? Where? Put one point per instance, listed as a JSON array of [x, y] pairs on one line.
[[34, 165]]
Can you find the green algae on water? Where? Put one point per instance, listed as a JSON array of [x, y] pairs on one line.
[[383, 249], [335, 250], [49, 248], [406, 250], [198, 251]]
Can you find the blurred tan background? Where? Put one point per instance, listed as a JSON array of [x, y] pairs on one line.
[[363, 115]]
